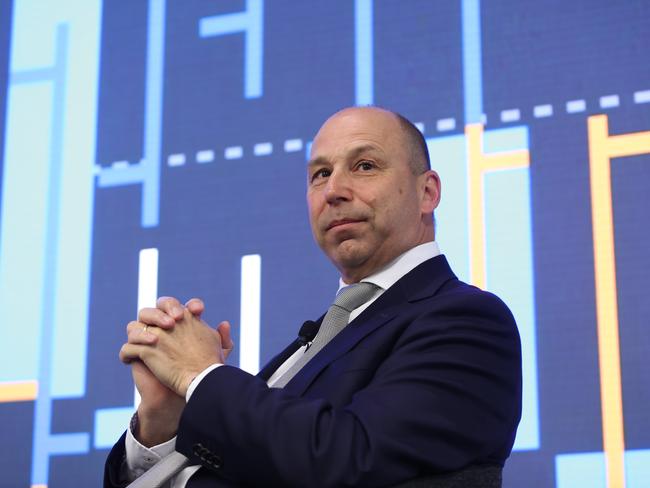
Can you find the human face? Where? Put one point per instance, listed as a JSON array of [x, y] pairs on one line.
[[366, 207]]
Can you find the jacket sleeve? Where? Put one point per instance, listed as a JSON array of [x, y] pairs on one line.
[[113, 467]]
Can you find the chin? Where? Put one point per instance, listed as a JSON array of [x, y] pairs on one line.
[[350, 255]]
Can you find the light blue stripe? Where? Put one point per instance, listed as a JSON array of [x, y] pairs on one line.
[[62, 444], [637, 468], [70, 341], [109, 425], [510, 276], [23, 236], [43, 404], [472, 69], [509, 139], [153, 113], [581, 469], [254, 62], [363, 53], [251, 22], [452, 232]]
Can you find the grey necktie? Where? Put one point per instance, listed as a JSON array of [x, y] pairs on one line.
[[336, 318]]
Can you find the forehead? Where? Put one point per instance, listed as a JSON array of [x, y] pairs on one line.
[[351, 129]]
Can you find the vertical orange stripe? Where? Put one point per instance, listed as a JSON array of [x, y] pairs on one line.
[[603, 147], [477, 267], [606, 301]]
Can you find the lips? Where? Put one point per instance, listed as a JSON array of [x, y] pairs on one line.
[[340, 222]]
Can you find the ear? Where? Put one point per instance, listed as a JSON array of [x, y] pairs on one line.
[[430, 184]]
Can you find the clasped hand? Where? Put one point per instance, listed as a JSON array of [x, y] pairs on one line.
[[174, 343]]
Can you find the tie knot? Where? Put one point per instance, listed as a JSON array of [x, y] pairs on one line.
[[355, 295]]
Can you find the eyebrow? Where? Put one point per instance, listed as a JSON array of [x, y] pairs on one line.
[[352, 154]]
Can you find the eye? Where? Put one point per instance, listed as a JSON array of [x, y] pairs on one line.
[[320, 174], [365, 165]]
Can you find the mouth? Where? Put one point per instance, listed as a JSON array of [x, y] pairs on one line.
[[342, 223]]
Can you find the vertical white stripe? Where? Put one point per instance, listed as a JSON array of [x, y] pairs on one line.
[[249, 342], [147, 286]]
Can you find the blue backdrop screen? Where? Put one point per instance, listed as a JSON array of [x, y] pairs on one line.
[[158, 147]]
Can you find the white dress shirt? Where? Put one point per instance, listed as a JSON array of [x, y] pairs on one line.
[[140, 458]]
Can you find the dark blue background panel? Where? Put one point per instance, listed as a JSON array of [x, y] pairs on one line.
[[158, 147]]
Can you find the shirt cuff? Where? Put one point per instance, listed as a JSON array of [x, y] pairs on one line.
[[195, 382], [140, 458]]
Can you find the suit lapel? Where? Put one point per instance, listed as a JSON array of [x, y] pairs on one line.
[[422, 282], [278, 359], [281, 357]]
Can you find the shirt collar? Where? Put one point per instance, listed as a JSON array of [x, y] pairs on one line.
[[393, 271]]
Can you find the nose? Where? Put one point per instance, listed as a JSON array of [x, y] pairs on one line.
[[338, 188]]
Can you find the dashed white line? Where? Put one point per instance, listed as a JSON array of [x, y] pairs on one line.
[[293, 145], [574, 106], [446, 124], [511, 115], [176, 159], [263, 149], [442, 125], [205, 156], [540, 111], [642, 96], [609, 101], [120, 165], [233, 152]]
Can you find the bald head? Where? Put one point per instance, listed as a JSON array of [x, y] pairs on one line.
[[419, 160]]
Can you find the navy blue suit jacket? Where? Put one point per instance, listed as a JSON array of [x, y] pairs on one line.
[[426, 380]]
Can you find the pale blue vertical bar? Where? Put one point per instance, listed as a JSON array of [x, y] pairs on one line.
[[24, 219], [363, 53], [510, 271], [581, 469], [510, 276], [76, 199], [472, 68], [251, 22], [153, 113], [43, 404], [254, 62], [452, 232]]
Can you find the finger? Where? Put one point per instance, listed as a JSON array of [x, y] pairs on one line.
[[195, 306], [139, 333], [224, 332], [154, 316], [171, 307], [131, 352]]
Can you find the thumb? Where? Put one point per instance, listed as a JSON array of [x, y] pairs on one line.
[[224, 331]]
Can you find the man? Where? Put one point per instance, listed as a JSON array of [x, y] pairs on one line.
[[421, 381]]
